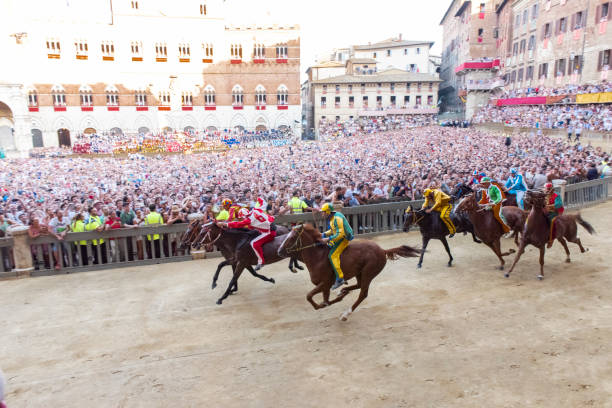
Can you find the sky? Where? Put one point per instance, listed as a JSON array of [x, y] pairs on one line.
[[329, 24]]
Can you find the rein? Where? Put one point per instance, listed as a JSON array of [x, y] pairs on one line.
[[296, 247], [208, 236]]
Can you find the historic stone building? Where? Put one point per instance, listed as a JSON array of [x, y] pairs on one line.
[[137, 66]]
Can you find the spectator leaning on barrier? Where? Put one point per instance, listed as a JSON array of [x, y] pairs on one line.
[[153, 244]]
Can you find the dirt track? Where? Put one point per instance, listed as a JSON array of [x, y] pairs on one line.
[[436, 337]]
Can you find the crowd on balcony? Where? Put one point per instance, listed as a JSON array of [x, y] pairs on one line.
[[575, 118], [569, 89], [329, 129]]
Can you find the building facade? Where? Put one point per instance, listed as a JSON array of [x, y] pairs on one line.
[[142, 66], [357, 94]]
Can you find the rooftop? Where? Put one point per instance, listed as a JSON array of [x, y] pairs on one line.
[[361, 61], [392, 75], [391, 42]]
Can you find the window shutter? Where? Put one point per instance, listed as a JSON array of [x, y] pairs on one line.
[[543, 32], [573, 25], [584, 17], [600, 60], [597, 14]]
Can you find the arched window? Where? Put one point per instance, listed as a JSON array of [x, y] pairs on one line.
[[53, 48], [164, 98], [203, 8], [140, 96], [58, 93], [207, 51], [81, 49], [237, 96], [282, 95], [209, 96], [32, 97], [281, 52], [134, 5], [184, 50], [260, 95], [86, 95], [112, 95], [161, 50], [259, 52], [108, 49], [136, 49], [187, 99]]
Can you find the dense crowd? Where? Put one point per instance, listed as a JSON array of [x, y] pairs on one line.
[[175, 142], [569, 89], [596, 117], [329, 129]]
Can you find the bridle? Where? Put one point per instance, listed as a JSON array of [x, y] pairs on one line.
[[416, 221], [191, 233], [297, 244], [208, 235]]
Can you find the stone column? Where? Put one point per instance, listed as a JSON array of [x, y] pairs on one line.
[[21, 250]]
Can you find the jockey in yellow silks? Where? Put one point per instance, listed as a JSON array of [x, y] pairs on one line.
[[441, 203], [337, 238]]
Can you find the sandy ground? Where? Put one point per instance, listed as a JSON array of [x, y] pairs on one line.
[[436, 337]]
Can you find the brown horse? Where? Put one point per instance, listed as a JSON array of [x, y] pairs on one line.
[[487, 228], [537, 230], [361, 259]]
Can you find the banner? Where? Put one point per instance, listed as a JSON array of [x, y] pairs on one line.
[[532, 100], [602, 97]]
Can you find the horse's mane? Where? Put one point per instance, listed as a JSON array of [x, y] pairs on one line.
[[312, 230]]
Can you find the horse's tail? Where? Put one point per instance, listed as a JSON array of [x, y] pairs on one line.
[[404, 251], [585, 224]]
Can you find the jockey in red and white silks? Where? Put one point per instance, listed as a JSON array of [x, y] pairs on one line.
[[257, 220]]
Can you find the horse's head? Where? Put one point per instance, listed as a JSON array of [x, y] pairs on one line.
[[300, 236], [209, 234], [412, 217], [189, 235], [468, 203], [460, 191], [535, 198]]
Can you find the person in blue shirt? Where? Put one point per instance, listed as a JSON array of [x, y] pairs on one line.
[[516, 185]]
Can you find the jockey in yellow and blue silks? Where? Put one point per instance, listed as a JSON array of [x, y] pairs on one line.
[[337, 238]]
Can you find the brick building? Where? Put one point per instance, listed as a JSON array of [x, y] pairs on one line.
[[142, 66]]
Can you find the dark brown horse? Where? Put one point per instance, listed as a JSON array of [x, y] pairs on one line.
[[243, 256], [487, 228], [361, 259], [537, 230]]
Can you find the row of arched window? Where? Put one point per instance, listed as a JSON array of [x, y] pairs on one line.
[[58, 94]]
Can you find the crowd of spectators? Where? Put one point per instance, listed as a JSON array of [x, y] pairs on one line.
[[329, 129], [569, 89], [597, 117]]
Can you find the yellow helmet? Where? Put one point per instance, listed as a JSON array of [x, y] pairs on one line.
[[327, 208], [427, 192]]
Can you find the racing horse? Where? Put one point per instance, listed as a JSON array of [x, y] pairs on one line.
[[537, 230], [361, 259], [195, 235], [432, 227], [487, 228], [243, 256]]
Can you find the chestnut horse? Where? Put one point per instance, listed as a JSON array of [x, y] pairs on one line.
[[537, 230], [361, 259], [487, 228]]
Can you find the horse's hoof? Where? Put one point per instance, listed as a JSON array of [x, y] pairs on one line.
[[507, 275], [419, 266], [219, 301], [511, 250], [272, 280], [568, 260], [292, 270], [540, 277], [450, 264], [301, 268], [214, 285], [501, 268]]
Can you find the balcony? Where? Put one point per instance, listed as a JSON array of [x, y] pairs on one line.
[[485, 84], [260, 106], [492, 64], [210, 107]]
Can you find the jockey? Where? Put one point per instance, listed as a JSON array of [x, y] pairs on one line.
[[516, 185], [337, 238], [554, 208], [475, 179], [229, 212], [261, 222], [441, 203], [492, 198]]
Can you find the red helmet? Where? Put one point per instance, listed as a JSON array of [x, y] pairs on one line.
[[548, 186], [226, 203], [243, 213]]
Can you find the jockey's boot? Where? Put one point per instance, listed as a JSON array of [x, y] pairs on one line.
[[258, 267], [451, 235], [339, 282]]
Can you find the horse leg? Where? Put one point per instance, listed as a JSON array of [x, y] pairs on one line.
[[262, 277], [319, 288], [516, 258], [445, 243], [567, 252], [233, 283], [476, 240], [362, 295], [219, 267], [425, 242], [579, 243], [542, 251], [296, 263], [346, 291]]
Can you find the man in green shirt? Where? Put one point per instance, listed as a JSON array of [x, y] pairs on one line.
[[492, 198]]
